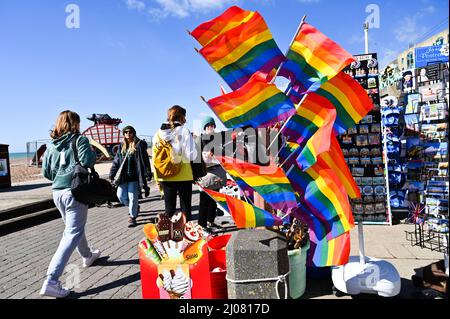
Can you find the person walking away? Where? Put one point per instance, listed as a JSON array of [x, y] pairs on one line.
[[215, 178], [58, 166], [130, 171], [173, 150]]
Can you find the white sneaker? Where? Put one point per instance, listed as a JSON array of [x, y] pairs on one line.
[[89, 261], [54, 289]]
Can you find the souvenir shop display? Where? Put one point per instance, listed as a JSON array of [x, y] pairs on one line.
[[362, 146], [418, 165]]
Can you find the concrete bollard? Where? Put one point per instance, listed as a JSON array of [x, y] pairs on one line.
[[255, 259]]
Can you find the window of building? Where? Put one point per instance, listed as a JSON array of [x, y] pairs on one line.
[[410, 60]]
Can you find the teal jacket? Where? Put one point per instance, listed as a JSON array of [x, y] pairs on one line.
[[59, 161]]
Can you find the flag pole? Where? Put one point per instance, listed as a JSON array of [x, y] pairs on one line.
[[285, 123], [362, 255], [206, 102], [278, 70], [289, 48], [287, 159]]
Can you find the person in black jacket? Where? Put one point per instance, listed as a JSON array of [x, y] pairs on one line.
[[130, 171]]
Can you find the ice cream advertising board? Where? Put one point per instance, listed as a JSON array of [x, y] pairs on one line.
[[174, 260]]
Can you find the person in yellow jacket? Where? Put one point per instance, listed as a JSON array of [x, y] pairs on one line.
[[180, 138]]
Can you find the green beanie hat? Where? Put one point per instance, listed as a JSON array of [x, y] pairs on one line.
[[207, 120]]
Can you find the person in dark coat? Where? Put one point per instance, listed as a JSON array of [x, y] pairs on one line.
[[130, 171]]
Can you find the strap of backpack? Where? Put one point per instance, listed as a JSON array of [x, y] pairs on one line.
[[75, 151], [74, 148]]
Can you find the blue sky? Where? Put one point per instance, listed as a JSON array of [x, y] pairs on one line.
[[133, 59]]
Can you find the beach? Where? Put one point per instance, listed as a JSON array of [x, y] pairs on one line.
[[22, 172]]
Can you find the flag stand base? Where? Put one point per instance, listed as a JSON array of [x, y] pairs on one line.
[[375, 276]]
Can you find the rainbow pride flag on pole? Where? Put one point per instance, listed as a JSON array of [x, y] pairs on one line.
[[322, 192], [348, 97], [322, 251], [312, 114], [248, 216], [313, 59], [319, 142], [334, 159], [268, 181], [231, 18], [220, 198], [257, 104], [237, 44]]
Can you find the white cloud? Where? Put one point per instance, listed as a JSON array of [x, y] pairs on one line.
[[160, 9], [409, 28], [136, 5], [430, 9]]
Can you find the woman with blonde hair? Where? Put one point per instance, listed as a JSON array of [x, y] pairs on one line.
[[182, 144], [58, 166], [130, 171]]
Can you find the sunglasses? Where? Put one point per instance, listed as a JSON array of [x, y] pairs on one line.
[[128, 132]]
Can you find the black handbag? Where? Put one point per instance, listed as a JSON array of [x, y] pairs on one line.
[[87, 187]]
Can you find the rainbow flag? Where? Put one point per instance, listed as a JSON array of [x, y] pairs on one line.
[[313, 59], [349, 98], [240, 47], [257, 104], [268, 181], [231, 18], [314, 112], [334, 159], [247, 215], [323, 252], [319, 142], [220, 198], [320, 190]]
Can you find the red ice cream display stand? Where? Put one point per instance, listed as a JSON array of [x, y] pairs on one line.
[[200, 285], [204, 279]]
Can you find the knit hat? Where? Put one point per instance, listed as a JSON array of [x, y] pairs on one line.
[[207, 120], [129, 128]]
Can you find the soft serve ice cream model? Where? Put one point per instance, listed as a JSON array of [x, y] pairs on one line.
[[171, 258], [175, 282]]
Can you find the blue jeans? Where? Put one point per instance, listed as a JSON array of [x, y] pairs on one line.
[[128, 194], [74, 215]]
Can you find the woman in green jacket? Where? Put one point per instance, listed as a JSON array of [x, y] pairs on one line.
[[58, 166]]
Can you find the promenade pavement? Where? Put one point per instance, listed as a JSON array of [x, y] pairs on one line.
[[25, 255]]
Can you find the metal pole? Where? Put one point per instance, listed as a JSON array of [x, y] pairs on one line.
[[362, 256], [290, 45], [366, 38], [285, 123]]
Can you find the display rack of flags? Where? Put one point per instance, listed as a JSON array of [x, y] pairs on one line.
[[312, 181]]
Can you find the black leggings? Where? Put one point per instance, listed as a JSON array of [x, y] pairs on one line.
[[207, 209], [184, 189]]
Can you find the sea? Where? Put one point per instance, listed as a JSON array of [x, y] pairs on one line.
[[19, 155]]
